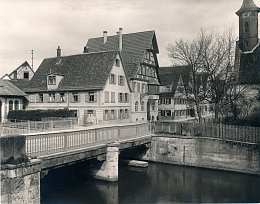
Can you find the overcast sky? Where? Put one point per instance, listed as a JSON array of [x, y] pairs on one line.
[[42, 25]]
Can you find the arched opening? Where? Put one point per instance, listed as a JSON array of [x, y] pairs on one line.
[[246, 27], [16, 105], [136, 106], [11, 103]]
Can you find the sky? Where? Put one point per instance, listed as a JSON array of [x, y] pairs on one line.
[[42, 25]]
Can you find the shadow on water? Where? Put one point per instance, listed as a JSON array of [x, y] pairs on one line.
[[159, 183]]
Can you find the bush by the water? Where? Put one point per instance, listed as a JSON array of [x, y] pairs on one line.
[[252, 120], [38, 115]]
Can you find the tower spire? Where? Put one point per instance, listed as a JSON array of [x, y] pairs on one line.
[[246, 6], [248, 25]]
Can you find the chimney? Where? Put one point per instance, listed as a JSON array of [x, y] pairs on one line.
[[104, 37], [86, 49], [120, 39], [58, 52]]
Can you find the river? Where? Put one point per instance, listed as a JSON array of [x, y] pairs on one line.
[[159, 183]]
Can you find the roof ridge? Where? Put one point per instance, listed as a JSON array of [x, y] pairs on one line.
[[89, 53], [125, 34]]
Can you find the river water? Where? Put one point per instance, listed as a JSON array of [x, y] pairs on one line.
[[159, 183]]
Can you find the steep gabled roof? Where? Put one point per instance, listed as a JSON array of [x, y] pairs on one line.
[[88, 71], [8, 89], [22, 65], [134, 46]]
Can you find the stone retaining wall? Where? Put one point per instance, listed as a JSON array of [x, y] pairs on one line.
[[205, 152]]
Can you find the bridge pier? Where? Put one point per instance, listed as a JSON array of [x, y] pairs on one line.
[[109, 169], [20, 177]]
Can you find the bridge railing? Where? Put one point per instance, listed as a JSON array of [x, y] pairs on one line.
[[41, 144], [219, 131]]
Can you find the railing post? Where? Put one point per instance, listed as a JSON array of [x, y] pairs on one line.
[[65, 142], [118, 134], [51, 125], [29, 127]]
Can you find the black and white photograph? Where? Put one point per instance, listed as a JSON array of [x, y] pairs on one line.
[[129, 101]]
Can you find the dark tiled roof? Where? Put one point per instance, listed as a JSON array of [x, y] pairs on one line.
[[170, 75], [21, 83], [249, 66], [248, 5], [81, 72], [134, 46], [8, 89]]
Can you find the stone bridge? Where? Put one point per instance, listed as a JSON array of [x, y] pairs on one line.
[[25, 158]]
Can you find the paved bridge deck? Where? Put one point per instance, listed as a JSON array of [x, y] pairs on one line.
[[68, 146]]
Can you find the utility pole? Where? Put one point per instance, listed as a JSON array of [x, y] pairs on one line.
[[32, 58]]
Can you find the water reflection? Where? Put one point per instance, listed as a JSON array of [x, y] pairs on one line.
[[159, 183]]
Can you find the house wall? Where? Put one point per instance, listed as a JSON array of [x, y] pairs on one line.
[[5, 107]]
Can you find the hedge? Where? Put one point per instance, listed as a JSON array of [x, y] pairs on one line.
[[38, 115]]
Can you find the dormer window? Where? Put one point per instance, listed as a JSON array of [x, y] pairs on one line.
[[52, 80]]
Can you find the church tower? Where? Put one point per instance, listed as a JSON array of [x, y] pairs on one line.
[[248, 25]]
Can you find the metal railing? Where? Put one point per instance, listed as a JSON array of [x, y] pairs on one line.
[[219, 131], [24, 127], [42, 144]]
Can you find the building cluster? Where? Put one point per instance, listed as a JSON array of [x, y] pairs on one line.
[[118, 78]]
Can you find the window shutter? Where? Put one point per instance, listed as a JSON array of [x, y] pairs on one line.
[[94, 112], [70, 97], [95, 97], [46, 98], [79, 96], [87, 97], [57, 97], [118, 97], [115, 79], [37, 98]]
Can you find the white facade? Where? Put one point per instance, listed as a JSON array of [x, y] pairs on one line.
[[9, 103]]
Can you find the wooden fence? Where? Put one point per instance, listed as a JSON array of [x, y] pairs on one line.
[[219, 131], [42, 144]]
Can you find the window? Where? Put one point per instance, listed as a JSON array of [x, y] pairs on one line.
[[133, 86], [91, 97], [112, 115], [26, 75], [117, 62], [11, 105], [62, 97], [136, 106], [112, 79], [142, 106], [120, 97], [113, 100], [138, 87], [41, 98], [143, 70], [121, 80], [90, 113], [16, 105], [143, 88], [246, 27], [126, 97], [106, 115], [75, 97], [121, 114], [51, 97], [126, 113], [153, 106], [52, 80], [106, 97]]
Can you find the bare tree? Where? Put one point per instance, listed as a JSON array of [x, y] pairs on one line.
[[190, 53]]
